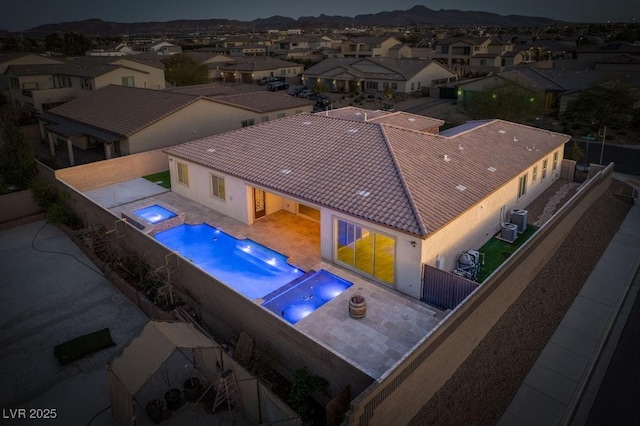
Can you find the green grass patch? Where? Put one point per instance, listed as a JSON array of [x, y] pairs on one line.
[[163, 179], [497, 251], [82, 346]]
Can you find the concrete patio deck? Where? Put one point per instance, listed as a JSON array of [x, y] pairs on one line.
[[394, 322]]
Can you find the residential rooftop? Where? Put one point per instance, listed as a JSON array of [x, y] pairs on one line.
[[411, 181]]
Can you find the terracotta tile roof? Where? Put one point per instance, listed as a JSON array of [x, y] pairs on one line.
[[389, 69], [385, 174], [433, 182], [207, 89], [85, 66], [354, 113], [568, 79], [341, 164], [399, 119], [257, 63], [406, 120], [123, 110], [263, 101]]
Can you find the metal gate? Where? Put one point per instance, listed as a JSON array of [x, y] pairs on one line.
[[443, 289]]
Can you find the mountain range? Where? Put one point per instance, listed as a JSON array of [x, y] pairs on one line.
[[416, 16]]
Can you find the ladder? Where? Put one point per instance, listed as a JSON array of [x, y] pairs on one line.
[[228, 391]]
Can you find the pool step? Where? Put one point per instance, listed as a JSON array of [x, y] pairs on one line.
[[287, 286]]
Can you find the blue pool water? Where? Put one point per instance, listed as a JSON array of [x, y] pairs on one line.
[[155, 213], [298, 301], [250, 268]]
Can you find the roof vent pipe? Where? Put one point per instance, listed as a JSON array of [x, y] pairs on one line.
[[365, 116]]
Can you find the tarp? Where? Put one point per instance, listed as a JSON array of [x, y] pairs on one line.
[[144, 356]]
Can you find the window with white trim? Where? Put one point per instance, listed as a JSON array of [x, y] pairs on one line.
[[544, 168], [534, 175], [247, 123], [555, 161]]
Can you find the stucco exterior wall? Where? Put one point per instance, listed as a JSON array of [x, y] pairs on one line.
[[237, 203], [95, 175], [393, 399], [140, 79], [407, 257], [481, 222], [427, 75]]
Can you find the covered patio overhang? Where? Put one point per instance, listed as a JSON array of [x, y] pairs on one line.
[[69, 129]]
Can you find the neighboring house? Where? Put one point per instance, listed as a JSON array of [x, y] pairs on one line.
[[486, 63], [118, 49], [163, 48], [249, 50], [624, 62], [605, 52], [212, 60], [43, 86], [257, 107], [559, 86], [456, 52], [377, 74], [546, 50], [19, 58], [389, 197], [368, 47], [293, 46], [499, 55], [228, 42], [250, 69], [121, 120]]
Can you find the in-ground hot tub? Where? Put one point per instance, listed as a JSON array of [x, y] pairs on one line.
[[155, 217]]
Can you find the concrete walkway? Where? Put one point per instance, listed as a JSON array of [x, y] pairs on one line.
[[566, 379]]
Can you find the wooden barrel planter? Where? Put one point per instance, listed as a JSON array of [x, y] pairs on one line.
[[357, 306]]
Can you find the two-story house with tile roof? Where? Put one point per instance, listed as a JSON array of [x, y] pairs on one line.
[[297, 46], [389, 196], [117, 120], [40, 87], [19, 58], [456, 52], [378, 74], [368, 47]]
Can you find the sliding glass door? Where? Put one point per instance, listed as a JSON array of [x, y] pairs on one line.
[[366, 250]]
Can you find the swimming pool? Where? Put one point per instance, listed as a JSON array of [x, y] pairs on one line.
[[154, 213], [296, 302], [244, 265]]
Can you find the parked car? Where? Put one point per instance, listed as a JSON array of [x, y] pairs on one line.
[[320, 100], [277, 85], [295, 90], [266, 80], [306, 93]]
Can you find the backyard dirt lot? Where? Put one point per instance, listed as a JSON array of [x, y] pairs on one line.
[[482, 388]]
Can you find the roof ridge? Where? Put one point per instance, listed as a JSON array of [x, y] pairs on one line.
[[160, 117], [414, 208]]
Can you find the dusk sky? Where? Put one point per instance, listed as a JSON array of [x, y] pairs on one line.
[[20, 15]]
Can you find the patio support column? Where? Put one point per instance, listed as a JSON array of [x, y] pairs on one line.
[[52, 144], [107, 151], [70, 149]]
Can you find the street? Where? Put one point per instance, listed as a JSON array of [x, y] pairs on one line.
[[626, 158]]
